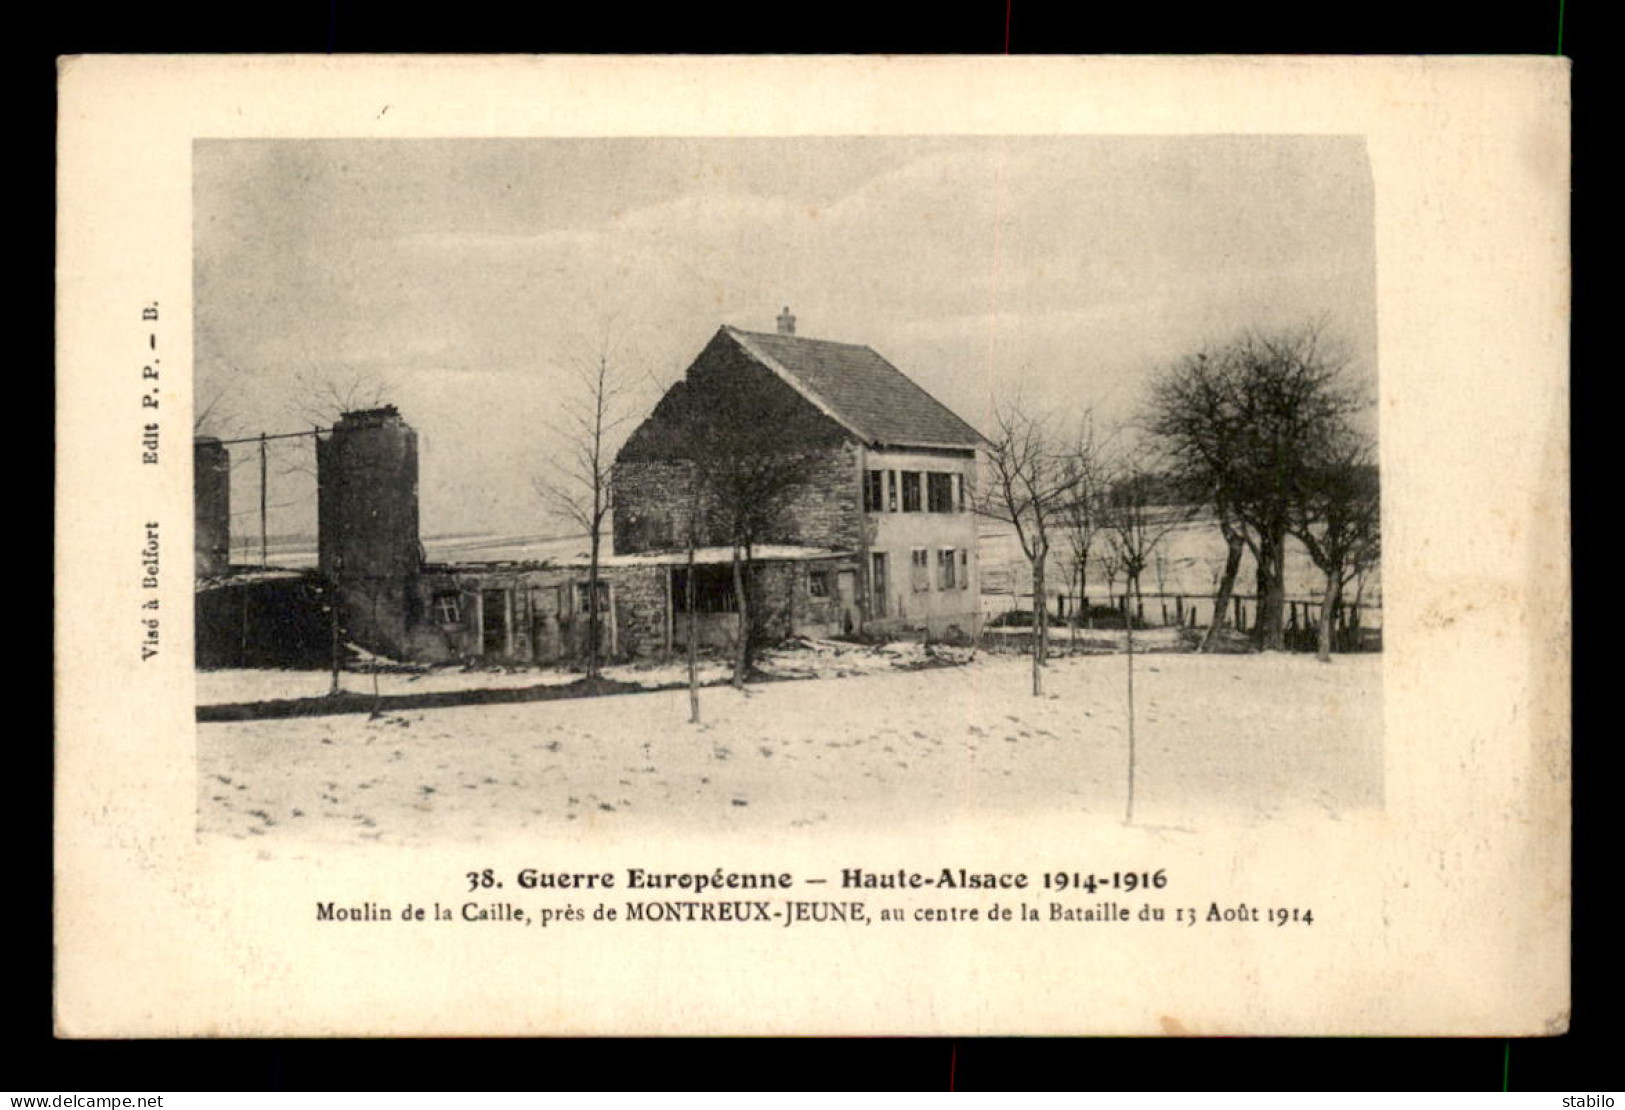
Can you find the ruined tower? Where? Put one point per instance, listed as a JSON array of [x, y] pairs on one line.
[[211, 507], [367, 522]]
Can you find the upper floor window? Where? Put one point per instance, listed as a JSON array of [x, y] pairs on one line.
[[940, 492], [911, 491], [891, 490], [874, 498]]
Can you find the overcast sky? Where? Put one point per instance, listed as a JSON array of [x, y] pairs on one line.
[[469, 274]]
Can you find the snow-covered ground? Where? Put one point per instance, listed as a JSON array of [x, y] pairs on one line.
[[803, 658], [1228, 739]]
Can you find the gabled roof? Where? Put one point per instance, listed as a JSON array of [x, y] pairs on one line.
[[859, 390]]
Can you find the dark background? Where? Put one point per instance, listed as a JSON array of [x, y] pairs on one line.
[[1574, 1063]]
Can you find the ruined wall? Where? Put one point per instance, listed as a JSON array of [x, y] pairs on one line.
[[542, 616], [640, 608], [826, 510], [268, 621], [729, 404], [654, 503], [367, 522], [211, 507]]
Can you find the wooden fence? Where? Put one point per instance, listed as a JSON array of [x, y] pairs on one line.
[[1353, 627]]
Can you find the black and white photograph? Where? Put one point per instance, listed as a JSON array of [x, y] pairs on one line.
[[885, 477]]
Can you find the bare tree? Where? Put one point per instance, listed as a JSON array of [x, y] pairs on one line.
[[1242, 422], [1195, 417], [1336, 516], [211, 411], [580, 485], [750, 478], [1031, 483], [1080, 515], [320, 395], [1137, 513], [747, 461]]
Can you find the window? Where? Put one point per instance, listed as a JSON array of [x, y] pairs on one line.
[[877, 582], [449, 608], [959, 493], [874, 491], [891, 487], [713, 589], [818, 583], [582, 604], [921, 570], [940, 492], [545, 601], [911, 491], [964, 569], [945, 568]]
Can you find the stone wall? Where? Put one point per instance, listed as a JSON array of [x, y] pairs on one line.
[[727, 393], [640, 608], [826, 509], [653, 504]]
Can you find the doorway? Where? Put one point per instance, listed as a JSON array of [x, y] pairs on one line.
[[495, 623]]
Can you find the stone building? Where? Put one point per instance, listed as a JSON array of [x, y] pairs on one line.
[[394, 601], [881, 525], [878, 535]]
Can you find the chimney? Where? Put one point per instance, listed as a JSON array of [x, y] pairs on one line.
[[787, 322]]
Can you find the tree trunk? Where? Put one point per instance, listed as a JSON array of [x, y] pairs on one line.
[[1081, 603], [333, 629], [1128, 628], [1328, 607], [1040, 625], [742, 653], [593, 617], [1235, 545], [1269, 625], [693, 644]]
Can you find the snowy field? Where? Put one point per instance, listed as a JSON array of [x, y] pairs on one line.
[[804, 658], [1232, 740]]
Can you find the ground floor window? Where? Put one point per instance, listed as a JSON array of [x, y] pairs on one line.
[[713, 589], [583, 593], [964, 569], [920, 564], [448, 607], [877, 582], [547, 601], [945, 568], [818, 583]]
